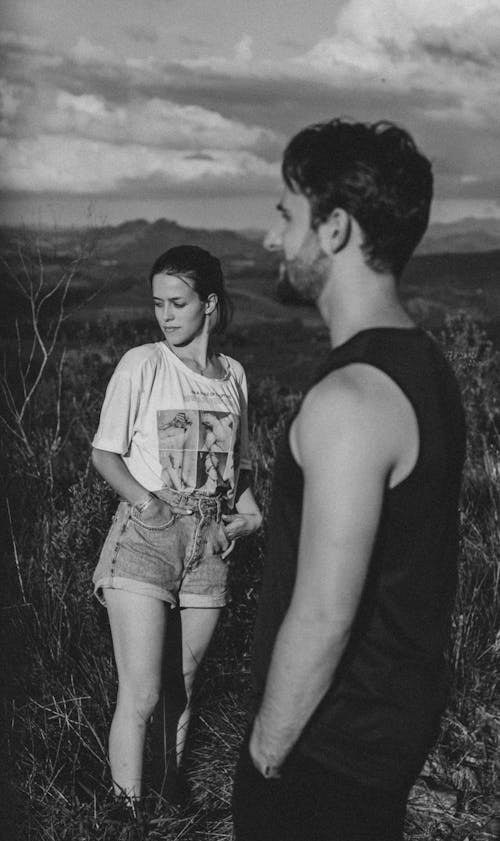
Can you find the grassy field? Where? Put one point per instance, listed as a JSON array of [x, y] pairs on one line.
[[57, 650]]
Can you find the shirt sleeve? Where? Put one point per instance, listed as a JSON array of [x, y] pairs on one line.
[[118, 414]]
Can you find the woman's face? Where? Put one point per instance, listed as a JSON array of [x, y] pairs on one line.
[[179, 310]]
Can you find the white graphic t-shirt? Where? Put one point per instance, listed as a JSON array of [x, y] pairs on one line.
[[175, 428]]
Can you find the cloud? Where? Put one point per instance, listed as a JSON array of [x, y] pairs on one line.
[[461, 47], [141, 33], [10, 101], [243, 52], [22, 43], [193, 42], [434, 67], [147, 121], [408, 44], [86, 52], [50, 164]]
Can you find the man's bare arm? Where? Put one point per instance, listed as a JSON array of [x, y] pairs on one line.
[[346, 453]]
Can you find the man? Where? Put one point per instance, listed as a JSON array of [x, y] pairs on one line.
[[360, 574]]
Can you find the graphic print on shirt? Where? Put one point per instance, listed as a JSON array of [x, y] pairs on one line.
[[198, 450]]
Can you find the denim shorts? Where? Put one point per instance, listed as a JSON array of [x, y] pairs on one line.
[[179, 561]]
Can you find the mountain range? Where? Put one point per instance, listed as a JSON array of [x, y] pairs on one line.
[[456, 268], [138, 242], [139, 237], [468, 235]]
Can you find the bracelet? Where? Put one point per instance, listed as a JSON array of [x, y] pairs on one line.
[[143, 503]]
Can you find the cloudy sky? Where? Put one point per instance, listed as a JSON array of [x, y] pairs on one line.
[[181, 108]]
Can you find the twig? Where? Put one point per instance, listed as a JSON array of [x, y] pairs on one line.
[[16, 556]]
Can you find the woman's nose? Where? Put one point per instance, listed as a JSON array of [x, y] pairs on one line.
[[273, 240]]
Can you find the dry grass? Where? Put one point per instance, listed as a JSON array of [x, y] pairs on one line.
[[57, 649]]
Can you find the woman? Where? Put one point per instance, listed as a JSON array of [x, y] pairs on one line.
[[173, 443]]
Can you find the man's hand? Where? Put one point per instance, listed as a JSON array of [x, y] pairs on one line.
[[263, 761]]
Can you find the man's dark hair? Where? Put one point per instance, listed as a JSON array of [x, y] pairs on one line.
[[375, 173]]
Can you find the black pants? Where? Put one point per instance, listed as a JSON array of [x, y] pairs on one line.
[[311, 803]]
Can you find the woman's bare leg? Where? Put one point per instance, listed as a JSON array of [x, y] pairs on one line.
[[198, 626], [138, 625]]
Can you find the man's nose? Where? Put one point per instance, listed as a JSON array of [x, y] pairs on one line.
[[273, 240]]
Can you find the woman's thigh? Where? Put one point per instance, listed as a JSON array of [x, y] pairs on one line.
[[138, 625], [198, 626]]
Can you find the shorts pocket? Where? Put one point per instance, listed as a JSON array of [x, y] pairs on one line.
[[152, 553], [137, 519]]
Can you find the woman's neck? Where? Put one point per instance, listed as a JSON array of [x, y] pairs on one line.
[[199, 357]]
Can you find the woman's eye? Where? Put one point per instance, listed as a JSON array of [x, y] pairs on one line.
[[179, 306]]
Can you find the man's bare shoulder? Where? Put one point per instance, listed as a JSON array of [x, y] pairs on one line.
[[351, 391], [357, 406]]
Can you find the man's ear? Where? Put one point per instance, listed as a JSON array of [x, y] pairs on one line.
[[334, 234]]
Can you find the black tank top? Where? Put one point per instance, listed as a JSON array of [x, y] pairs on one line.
[[380, 717]]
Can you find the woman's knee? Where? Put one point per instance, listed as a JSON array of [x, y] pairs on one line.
[[139, 700]]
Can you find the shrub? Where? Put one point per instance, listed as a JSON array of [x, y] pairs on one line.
[[61, 694]]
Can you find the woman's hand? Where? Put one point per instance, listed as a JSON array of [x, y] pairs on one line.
[[158, 512], [240, 525], [114, 470], [247, 517]]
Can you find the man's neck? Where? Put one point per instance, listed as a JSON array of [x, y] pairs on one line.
[[365, 300]]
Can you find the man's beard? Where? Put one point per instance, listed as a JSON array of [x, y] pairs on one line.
[[309, 271]]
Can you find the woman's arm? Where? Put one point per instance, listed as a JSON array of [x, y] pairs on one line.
[[248, 519], [114, 470], [116, 473]]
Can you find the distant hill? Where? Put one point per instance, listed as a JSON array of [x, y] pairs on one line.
[[467, 235], [460, 237], [139, 242], [136, 243], [441, 279], [253, 234]]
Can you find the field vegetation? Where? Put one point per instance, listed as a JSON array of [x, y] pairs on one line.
[[57, 656]]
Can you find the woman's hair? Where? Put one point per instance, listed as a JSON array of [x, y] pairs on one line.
[[203, 270], [376, 173]]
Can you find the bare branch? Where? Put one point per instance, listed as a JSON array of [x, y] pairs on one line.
[[36, 341], [85, 302], [16, 556], [8, 393], [41, 267], [15, 277], [22, 377], [19, 432], [57, 431], [26, 270]]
